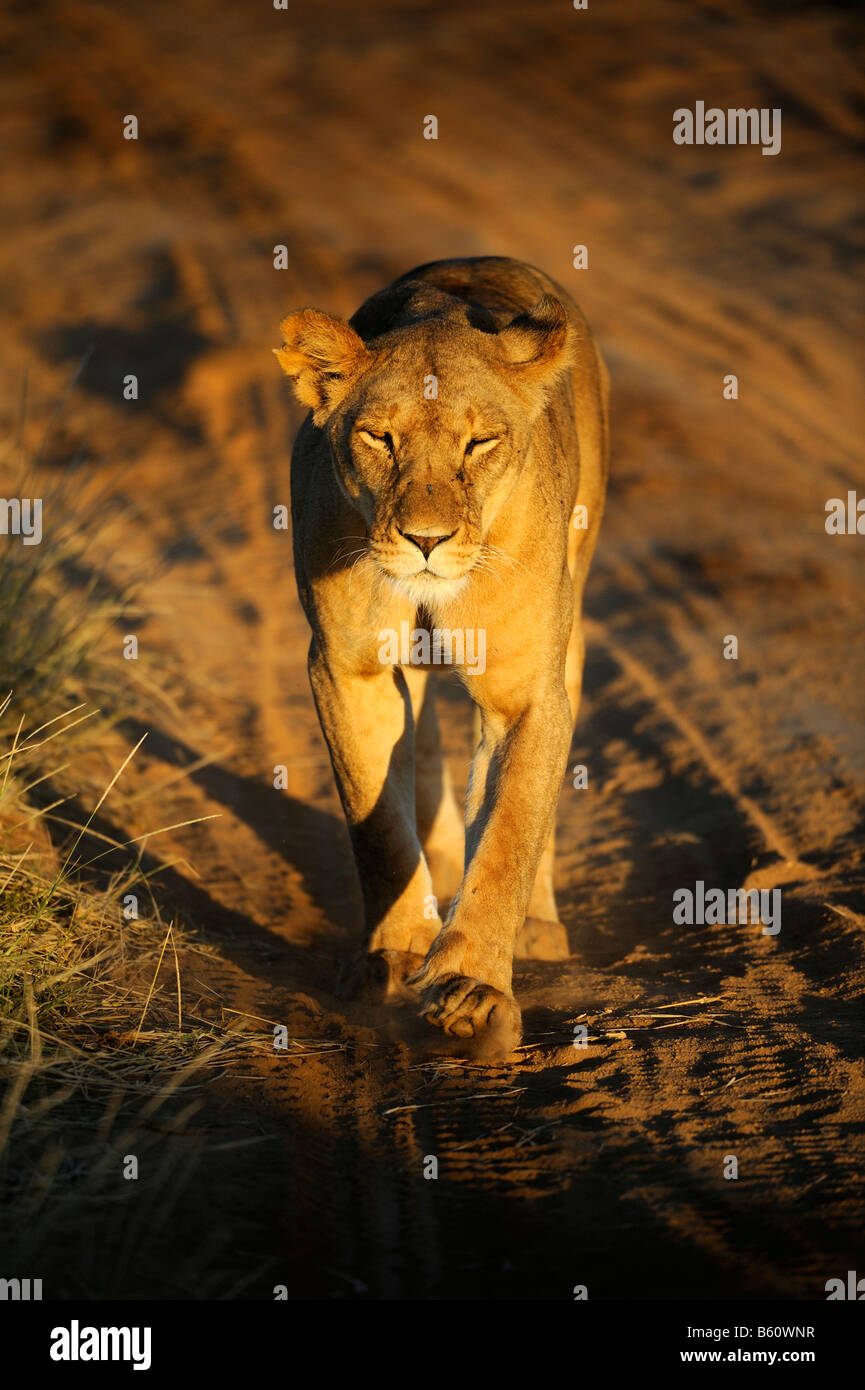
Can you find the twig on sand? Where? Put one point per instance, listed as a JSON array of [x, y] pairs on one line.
[[458, 1100], [683, 1003], [707, 1095]]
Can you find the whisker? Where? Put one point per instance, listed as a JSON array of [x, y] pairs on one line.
[[348, 554], [493, 550], [361, 555]]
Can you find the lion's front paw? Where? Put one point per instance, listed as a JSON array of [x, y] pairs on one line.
[[466, 1008], [380, 977]]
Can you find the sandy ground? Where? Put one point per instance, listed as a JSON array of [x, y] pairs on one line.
[[601, 1167]]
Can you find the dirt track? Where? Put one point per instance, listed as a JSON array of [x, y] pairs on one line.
[[257, 127]]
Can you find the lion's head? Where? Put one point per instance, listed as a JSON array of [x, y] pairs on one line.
[[428, 422]]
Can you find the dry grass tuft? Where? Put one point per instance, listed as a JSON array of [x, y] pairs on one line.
[[101, 1053]]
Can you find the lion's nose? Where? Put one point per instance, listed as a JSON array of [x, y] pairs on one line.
[[427, 544]]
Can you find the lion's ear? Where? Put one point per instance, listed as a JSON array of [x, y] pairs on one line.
[[539, 342], [323, 357]]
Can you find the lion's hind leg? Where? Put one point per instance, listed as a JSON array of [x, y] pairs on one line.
[[542, 936]]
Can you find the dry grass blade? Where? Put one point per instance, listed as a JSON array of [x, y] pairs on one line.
[[152, 987]]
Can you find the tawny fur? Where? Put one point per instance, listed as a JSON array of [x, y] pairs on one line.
[[381, 459]]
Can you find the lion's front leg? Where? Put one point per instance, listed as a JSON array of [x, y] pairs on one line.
[[367, 722], [465, 981]]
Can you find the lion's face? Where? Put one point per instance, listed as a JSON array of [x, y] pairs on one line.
[[429, 445], [428, 426]]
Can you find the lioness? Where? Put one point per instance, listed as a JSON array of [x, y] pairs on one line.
[[458, 426]]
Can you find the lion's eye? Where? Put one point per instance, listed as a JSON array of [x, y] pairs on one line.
[[481, 446], [378, 441]]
